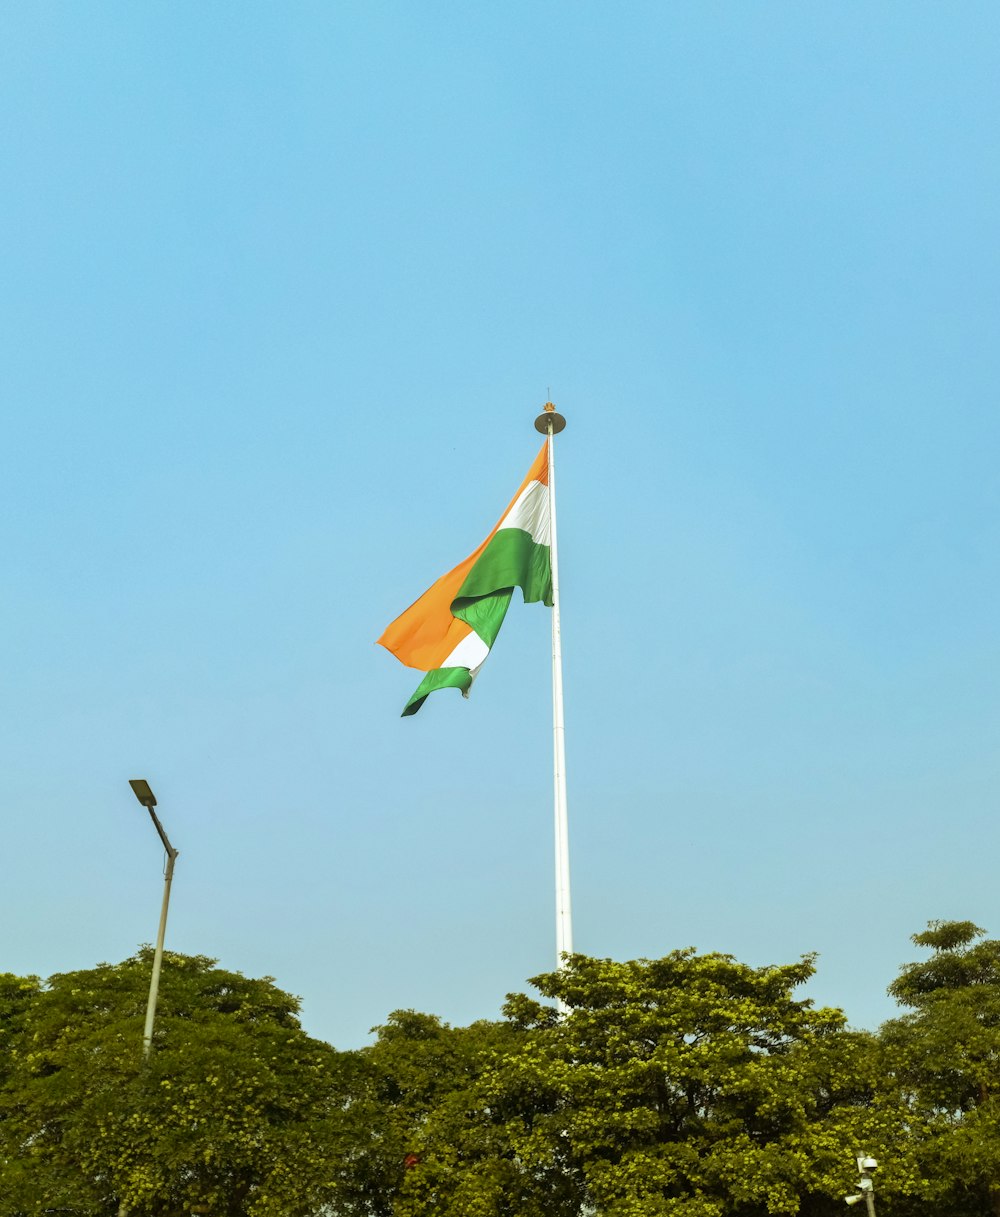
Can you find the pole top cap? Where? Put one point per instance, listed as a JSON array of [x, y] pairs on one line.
[[550, 420]]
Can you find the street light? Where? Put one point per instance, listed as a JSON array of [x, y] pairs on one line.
[[146, 797], [866, 1189]]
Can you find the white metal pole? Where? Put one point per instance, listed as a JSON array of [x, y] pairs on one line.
[[550, 423], [564, 918], [154, 984]]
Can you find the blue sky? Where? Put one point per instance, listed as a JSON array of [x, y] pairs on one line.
[[282, 289]]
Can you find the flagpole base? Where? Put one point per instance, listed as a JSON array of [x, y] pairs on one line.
[[550, 418]]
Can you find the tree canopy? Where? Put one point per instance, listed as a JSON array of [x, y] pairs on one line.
[[237, 1111], [944, 1057], [692, 1084]]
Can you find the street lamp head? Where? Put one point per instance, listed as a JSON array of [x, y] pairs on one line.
[[140, 788]]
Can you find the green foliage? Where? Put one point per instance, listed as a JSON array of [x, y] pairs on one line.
[[446, 1148], [955, 965], [944, 1058], [700, 1085], [17, 994], [691, 1085], [237, 1110]]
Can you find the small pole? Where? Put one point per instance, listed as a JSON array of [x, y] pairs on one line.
[[866, 1189], [142, 791], [550, 423], [154, 984], [866, 1165]]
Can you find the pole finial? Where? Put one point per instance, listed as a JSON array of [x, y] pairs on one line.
[[550, 421]]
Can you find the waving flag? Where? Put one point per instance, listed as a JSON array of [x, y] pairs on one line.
[[449, 631]]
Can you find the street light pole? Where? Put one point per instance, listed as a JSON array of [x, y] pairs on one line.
[[146, 797], [866, 1165]]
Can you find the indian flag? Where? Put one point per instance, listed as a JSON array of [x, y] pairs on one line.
[[449, 631]]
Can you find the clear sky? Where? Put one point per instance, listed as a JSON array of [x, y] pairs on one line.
[[282, 289]]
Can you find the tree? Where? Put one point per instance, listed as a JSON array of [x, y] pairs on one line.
[[17, 993], [692, 1084], [944, 1057], [237, 1111], [445, 1149]]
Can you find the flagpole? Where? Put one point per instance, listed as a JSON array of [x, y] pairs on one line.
[[550, 423]]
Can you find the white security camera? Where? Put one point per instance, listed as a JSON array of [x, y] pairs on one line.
[[853, 1199], [869, 1164], [866, 1185]]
